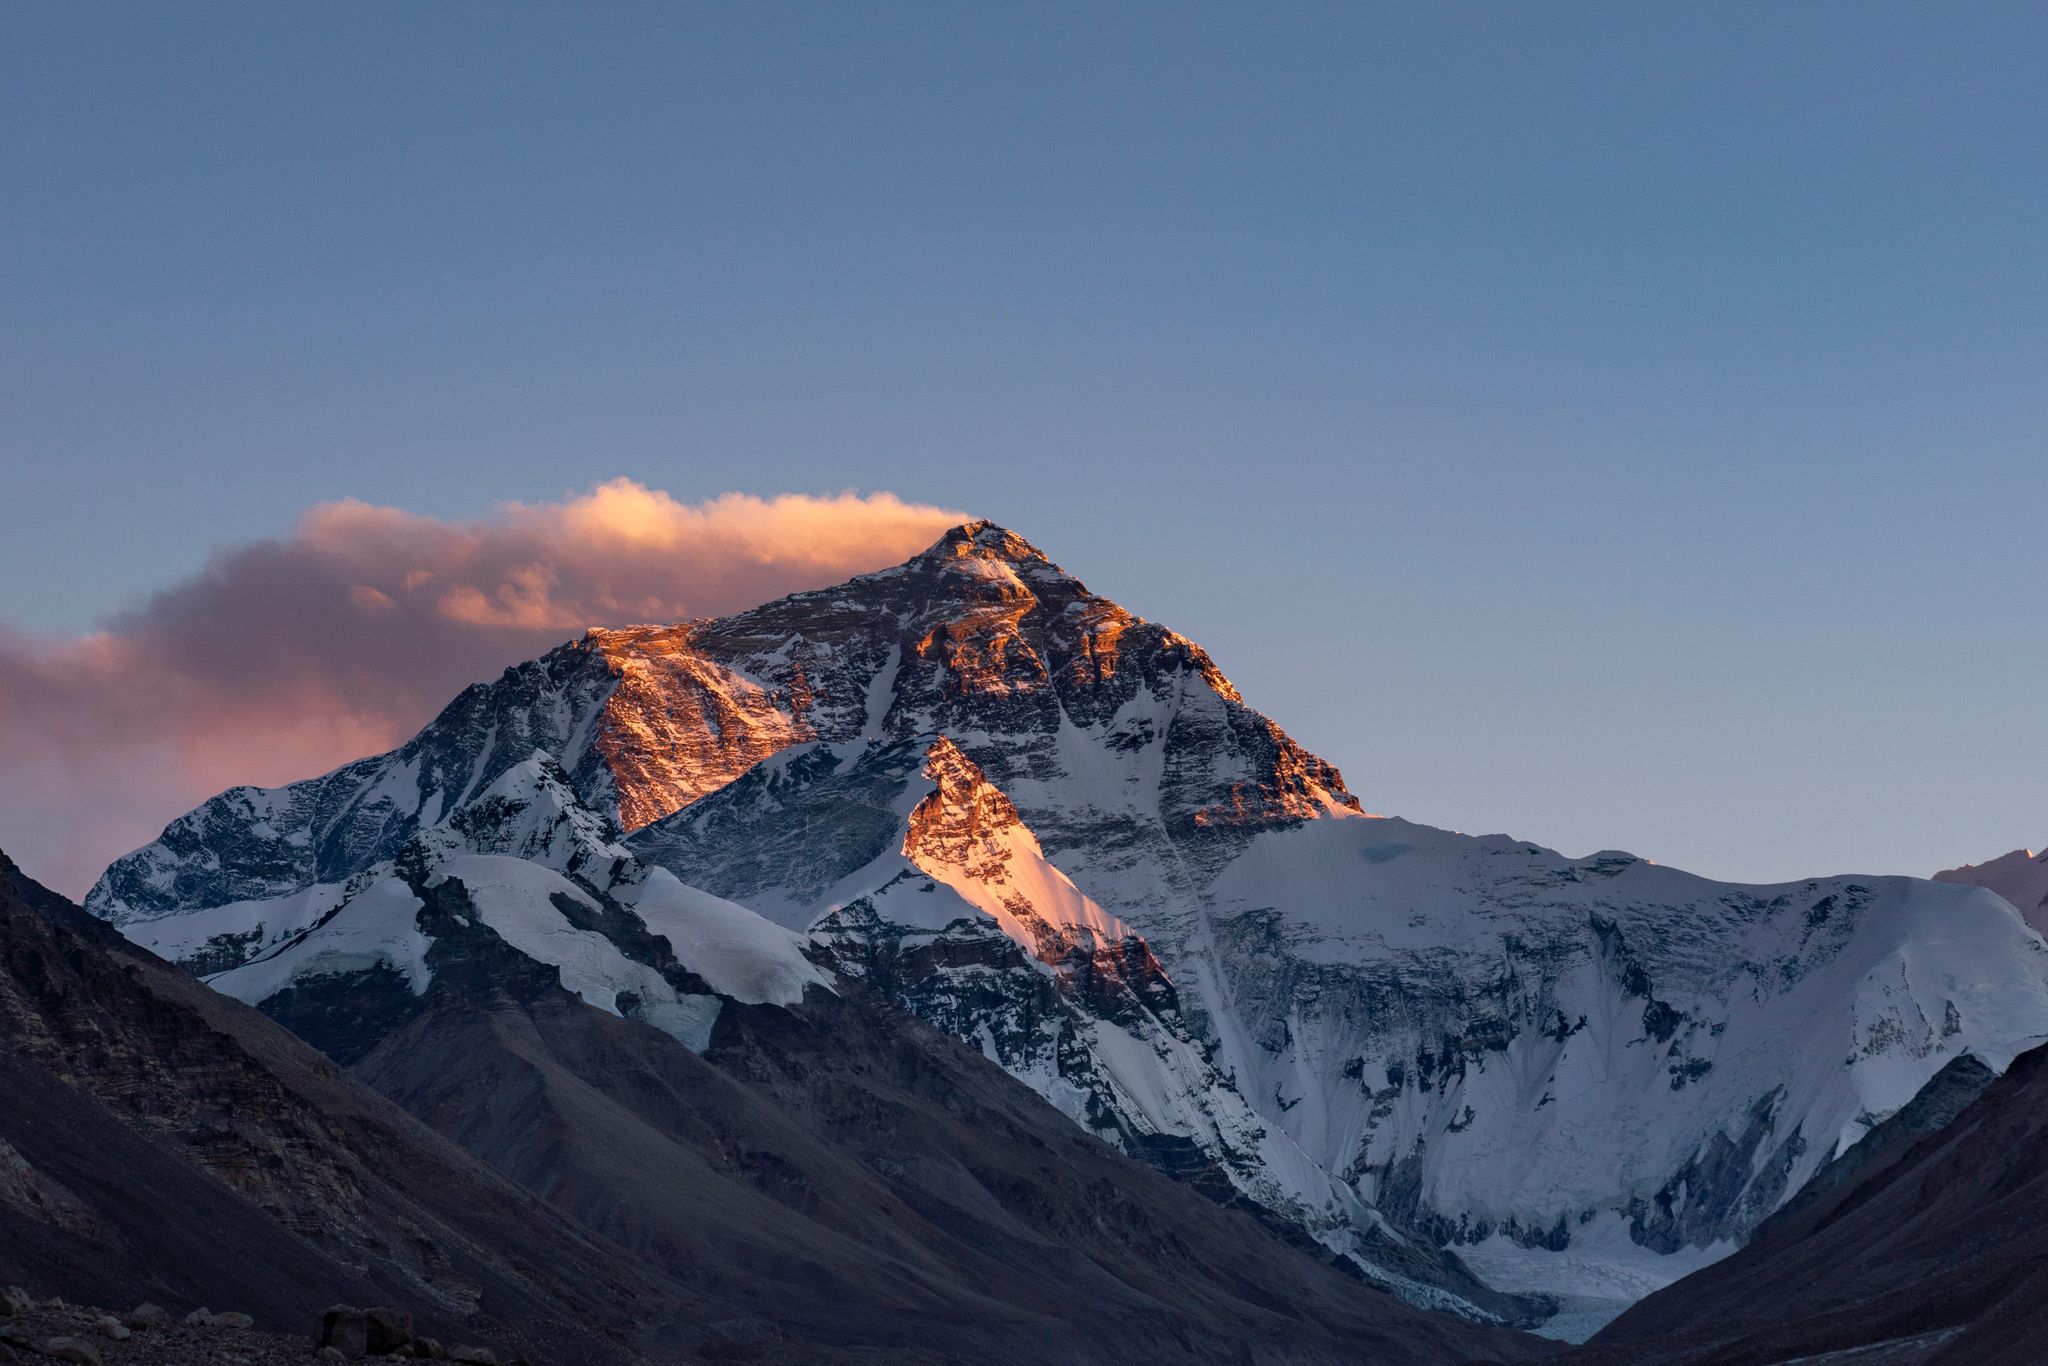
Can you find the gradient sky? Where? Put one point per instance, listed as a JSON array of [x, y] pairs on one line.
[[1620, 425]]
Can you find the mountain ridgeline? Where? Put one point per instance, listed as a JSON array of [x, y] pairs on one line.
[[1490, 1079]]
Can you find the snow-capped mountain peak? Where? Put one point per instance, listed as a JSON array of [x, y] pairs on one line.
[[1055, 829], [522, 887], [983, 543]]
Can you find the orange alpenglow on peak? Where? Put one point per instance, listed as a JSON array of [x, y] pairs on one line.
[[985, 540]]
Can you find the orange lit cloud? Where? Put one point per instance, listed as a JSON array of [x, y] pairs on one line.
[[285, 658]]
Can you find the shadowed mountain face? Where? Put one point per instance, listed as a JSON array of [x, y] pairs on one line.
[[1930, 1248], [1050, 828]]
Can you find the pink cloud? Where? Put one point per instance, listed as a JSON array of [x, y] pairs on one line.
[[285, 658]]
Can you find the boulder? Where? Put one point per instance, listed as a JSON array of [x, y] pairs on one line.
[[146, 1316], [76, 1350], [346, 1330], [17, 1300], [200, 1317], [476, 1356], [233, 1320], [113, 1328], [388, 1331], [429, 1349]]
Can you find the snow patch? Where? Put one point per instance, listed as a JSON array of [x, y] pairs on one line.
[[738, 952], [377, 927]]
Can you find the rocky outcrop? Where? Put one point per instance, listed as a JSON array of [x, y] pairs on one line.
[[353, 1333]]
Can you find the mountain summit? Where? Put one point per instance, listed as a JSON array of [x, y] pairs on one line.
[[1491, 1078], [980, 628]]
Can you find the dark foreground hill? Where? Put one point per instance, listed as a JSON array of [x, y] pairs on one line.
[[1932, 1247], [161, 1142]]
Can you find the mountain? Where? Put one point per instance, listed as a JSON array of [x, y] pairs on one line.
[[2020, 876], [162, 1142], [1933, 1249], [627, 1197], [1055, 830]]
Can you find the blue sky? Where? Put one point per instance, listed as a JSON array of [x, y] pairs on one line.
[[1622, 425]]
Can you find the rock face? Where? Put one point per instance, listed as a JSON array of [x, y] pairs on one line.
[[519, 891], [1940, 1101], [1057, 831]]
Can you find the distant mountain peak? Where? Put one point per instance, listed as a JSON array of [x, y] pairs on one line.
[[988, 540], [1054, 829], [988, 551]]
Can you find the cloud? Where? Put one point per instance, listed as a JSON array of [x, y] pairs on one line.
[[285, 658]]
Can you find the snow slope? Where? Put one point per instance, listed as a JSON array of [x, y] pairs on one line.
[[740, 954], [533, 869]]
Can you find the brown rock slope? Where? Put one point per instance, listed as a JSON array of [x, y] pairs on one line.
[[1935, 1250]]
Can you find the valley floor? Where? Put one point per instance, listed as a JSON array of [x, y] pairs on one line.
[[54, 1331], [36, 1334]]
